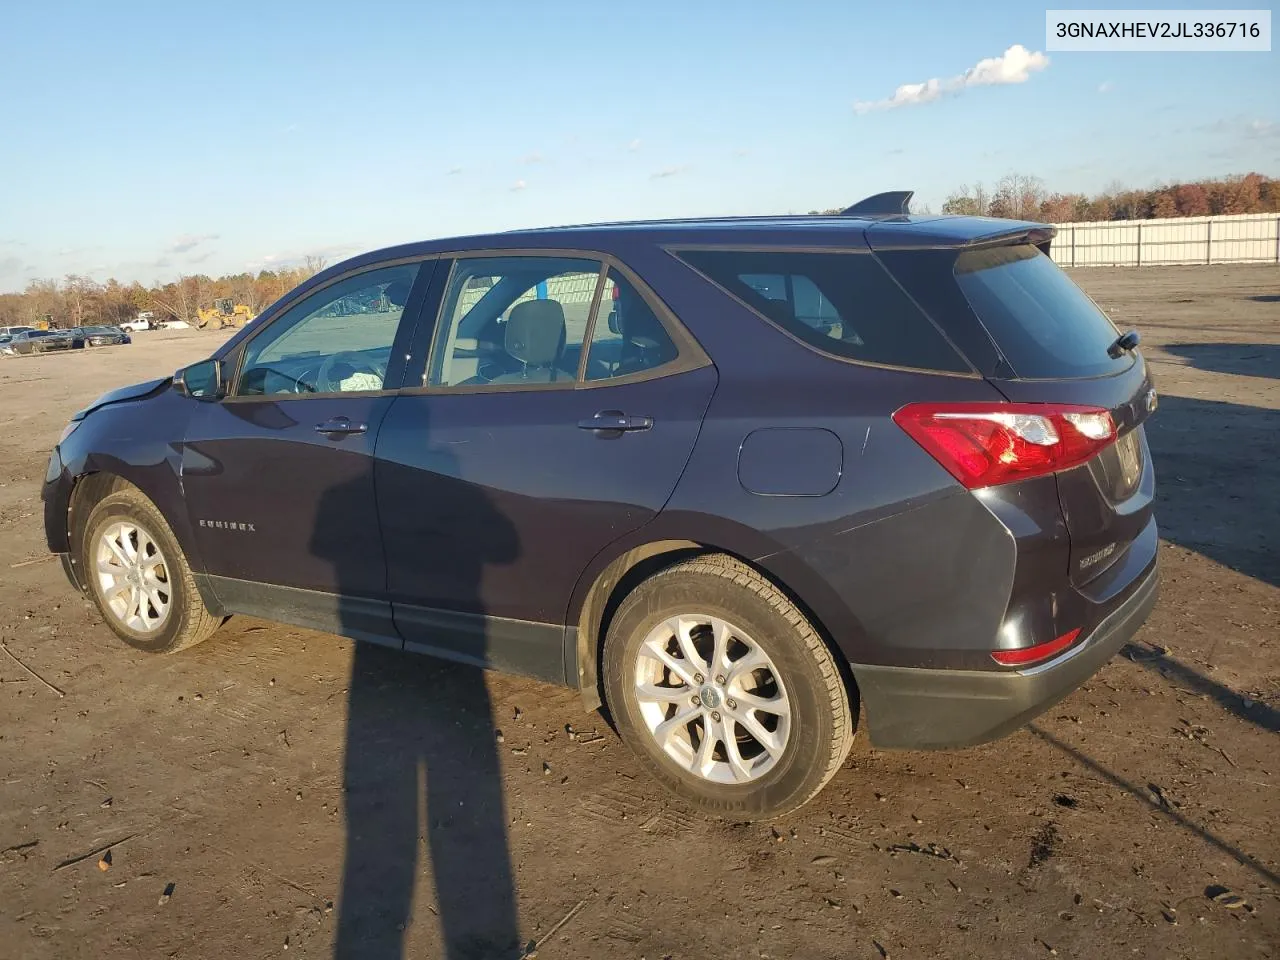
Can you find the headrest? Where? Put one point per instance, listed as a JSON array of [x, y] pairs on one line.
[[397, 293], [535, 332], [635, 318]]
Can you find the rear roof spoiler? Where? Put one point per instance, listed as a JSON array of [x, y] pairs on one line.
[[893, 203]]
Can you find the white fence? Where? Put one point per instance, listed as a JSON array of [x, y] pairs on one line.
[[1247, 238]]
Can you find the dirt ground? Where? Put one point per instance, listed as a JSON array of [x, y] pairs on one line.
[[216, 776]]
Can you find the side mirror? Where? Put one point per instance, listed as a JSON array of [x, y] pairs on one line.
[[202, 380], [614, 325]]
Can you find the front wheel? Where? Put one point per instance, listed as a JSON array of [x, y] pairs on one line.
[[139, 578], [725, 691]]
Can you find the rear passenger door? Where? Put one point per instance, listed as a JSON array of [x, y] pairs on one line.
[[554, 414]]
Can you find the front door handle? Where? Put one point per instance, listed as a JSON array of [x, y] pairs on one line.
[[337, 427], [613, 423]]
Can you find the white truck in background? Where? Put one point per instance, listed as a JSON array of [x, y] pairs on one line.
[[143, 321]]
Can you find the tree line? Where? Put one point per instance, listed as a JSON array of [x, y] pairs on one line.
[[1022, 197], [77, 300]]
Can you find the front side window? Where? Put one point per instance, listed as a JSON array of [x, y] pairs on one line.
[[842, 303], [338, 340], [514, 321]]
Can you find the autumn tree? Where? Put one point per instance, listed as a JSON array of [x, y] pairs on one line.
[[1018, 197], [968, 201]]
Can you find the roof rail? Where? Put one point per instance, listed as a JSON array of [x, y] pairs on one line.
[[893, 203]]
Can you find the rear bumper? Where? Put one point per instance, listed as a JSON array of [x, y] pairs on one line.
[[910, 708]]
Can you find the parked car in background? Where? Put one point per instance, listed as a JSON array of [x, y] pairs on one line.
[[44, 341], [738, 479], [10, 331], [102, 336]]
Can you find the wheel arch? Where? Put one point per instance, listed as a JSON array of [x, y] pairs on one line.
[[96, 484], [601, 596]]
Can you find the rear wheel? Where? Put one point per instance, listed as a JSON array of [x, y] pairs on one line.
[[725, 691], [139, 578]]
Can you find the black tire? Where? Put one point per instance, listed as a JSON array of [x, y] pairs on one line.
[[188, 621], [822, 714]]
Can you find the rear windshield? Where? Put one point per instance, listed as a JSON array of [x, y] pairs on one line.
[[841, 303], [1042, 322]]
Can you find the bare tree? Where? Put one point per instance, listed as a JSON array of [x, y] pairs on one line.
[[313, 264], [83, 297], [968, 201], [1018, 197], [44, 299], [180, 300]]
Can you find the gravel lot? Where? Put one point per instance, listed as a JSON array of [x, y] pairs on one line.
[[1103, 829]]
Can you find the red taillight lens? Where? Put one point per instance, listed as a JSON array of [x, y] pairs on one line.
[[984, 444], [1042, 651]]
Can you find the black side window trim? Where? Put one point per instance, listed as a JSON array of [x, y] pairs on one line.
[[405, 331], [689, 353], [675, 252]]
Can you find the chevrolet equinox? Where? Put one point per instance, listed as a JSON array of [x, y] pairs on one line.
[[738, 480]]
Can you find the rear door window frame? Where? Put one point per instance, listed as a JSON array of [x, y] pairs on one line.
[[689, 353]]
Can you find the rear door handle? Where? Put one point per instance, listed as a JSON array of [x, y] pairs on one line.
[[340, 427], [612, 423]]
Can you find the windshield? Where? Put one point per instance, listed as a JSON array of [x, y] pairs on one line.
[[1042, 322]]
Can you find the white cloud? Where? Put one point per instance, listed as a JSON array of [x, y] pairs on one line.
[[1106, 86], [532, 157], [189, 241], [634, 145], [1015, 66], [669, 172], [1240, 128], [518, 185], [273, 261], [453, 171]]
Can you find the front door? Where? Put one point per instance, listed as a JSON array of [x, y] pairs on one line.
[[539, 437], [278, 475]]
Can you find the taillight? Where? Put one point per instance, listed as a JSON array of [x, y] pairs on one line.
[[1029, 655], [984, 444]]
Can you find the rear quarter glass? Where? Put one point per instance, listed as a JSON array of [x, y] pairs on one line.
[[1043, 324], [844, 304]]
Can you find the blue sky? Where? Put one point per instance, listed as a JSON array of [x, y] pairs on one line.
[[144, 140]]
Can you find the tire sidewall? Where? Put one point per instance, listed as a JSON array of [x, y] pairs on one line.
[[126, 507], [800, 770]]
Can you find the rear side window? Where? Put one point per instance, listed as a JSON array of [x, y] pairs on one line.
[[1042, 322], [842, 303], [628, 336]]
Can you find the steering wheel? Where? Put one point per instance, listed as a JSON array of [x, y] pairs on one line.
[[354, 362]]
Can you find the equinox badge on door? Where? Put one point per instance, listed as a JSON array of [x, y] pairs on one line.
[[228, 525]]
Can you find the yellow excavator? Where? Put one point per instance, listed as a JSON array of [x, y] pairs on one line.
[[225, 312]]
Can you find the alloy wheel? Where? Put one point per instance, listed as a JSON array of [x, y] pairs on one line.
[[133, 577], [712, 699]]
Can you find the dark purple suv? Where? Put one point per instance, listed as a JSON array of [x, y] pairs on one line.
[[732, 478]]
